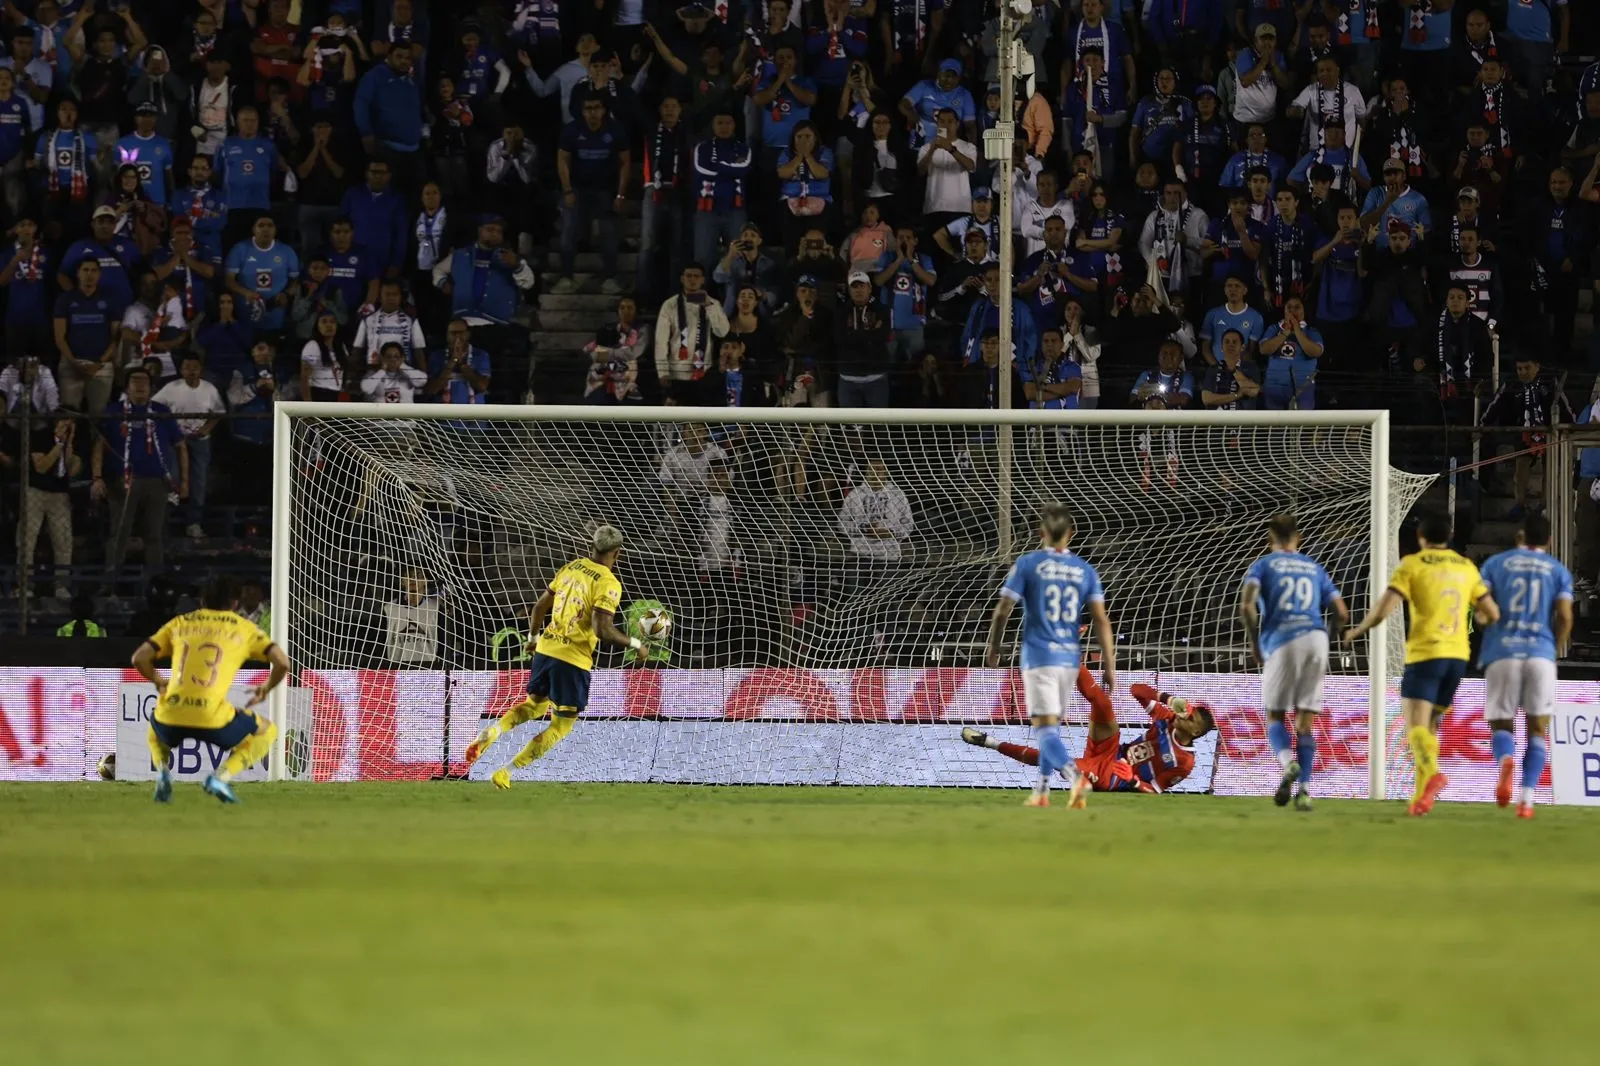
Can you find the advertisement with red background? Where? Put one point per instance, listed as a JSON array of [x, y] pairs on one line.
[[55, 723]]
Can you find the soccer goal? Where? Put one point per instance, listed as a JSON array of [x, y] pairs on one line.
[[829, 575]]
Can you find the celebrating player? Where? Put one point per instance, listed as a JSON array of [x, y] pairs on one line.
[[580, 603], [207, 647], [1443, 589], [1282, 601], [1154, 763], [1519, 653], [1054, 586]]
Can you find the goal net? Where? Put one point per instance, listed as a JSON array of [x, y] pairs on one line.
[[829, 575]]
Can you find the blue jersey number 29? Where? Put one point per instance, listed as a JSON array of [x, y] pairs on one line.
[[1060, 604], [1295, 593]]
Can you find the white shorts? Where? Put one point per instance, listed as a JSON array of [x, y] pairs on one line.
[[1048, 689], [1292, 678], [1512, 683]]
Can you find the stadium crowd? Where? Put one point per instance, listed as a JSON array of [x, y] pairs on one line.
[[213, 205]]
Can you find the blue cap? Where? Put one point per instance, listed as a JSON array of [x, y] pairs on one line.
[[490, 218], [1205, 90], [952, 65], [806, 281], [982, 192]]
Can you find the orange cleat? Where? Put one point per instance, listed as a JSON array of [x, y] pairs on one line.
[[1078, 798], [1524, 810], [1414, 808], [1502, 787], [475, 751], [1430, 792], [1037, 799]]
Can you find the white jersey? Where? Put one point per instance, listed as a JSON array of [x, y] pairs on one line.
[[399, 386], [386, 327]]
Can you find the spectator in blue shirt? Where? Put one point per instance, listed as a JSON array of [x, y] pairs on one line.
[[117, 257], [139, 459], [204, 207], [1169, 387], [785, 98], [64, 168], [1292, 348], [593, 160], [15, 127], [1232, 245], [225, 341], [382, 225], [722, 174], [1234, 383], [459, 373], [88, 329], [388, 115], [352, 268], [248, 161], [150, 152], [1235, 314], [921, 106], [263, 272], [1396, 200], [25, 278], [1057, 382], [1159, 121], [904, 280]]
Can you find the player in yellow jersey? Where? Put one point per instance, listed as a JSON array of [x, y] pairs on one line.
[[575, 613], [1442, 589], [207, 647]]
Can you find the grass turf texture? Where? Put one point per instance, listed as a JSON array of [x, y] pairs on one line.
[[643, 924]]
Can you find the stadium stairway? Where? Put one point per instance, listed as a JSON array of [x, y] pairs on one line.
[[568, 322]]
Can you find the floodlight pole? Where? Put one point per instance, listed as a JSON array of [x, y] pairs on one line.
[[997, 144]]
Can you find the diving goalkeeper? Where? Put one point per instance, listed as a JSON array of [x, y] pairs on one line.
[[1153, 763], [579, 605]]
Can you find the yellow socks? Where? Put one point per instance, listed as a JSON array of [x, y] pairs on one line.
[[1424, 756], [251, 750], [560, 725], [160, 754], [529, 710]]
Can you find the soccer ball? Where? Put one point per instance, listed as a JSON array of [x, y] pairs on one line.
[[107, 766], [655, 625]]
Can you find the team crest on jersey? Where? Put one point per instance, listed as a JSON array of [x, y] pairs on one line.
[[902, 283], [145, 170], [63, 157], [247, 167], [263, 279]]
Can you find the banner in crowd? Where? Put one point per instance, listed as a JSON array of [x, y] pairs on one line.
[[55, 723]]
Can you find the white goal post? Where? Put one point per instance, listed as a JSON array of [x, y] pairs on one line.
[[405, 535]]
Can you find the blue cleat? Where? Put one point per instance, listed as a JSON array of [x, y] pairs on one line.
[[164, 787], [216, 786]]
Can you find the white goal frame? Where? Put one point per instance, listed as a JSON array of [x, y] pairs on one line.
[[287, 412]]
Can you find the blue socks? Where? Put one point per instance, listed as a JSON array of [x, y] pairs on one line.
[[1052, 750], [1306, 745], [1533, 760], [1502, 745], [1278, 736]]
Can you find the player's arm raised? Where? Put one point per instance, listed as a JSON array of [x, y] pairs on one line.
[[1386, 605], [607, 631], [1107, 640]]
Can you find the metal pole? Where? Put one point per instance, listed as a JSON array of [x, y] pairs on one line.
[[999, 148], [278, 593], [25, 574], [1377, 581]]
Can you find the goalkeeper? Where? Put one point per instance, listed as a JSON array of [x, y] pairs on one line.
[[1153, 763], [575, 613], [658, 654]]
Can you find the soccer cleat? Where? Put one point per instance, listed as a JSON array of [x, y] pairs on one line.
[[1302, 800], [1037, 799], [1502, 787], [1286, 785], [164, 787], [974, 737], [1430, 792], [216, 786], [501, 778], [483, 743], [1415, 809], [1078, 798], [1524, 810]]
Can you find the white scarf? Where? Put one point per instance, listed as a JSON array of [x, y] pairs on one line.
[[430, 235]]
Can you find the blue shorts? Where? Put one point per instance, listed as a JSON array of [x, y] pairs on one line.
[[567, 686], [1434, 680], [227, 737]]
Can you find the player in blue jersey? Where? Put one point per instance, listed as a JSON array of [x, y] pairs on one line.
[[1519, 653], [1055, 588], [1283, 602]]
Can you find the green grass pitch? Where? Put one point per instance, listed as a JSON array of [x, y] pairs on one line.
[[446, 923]]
